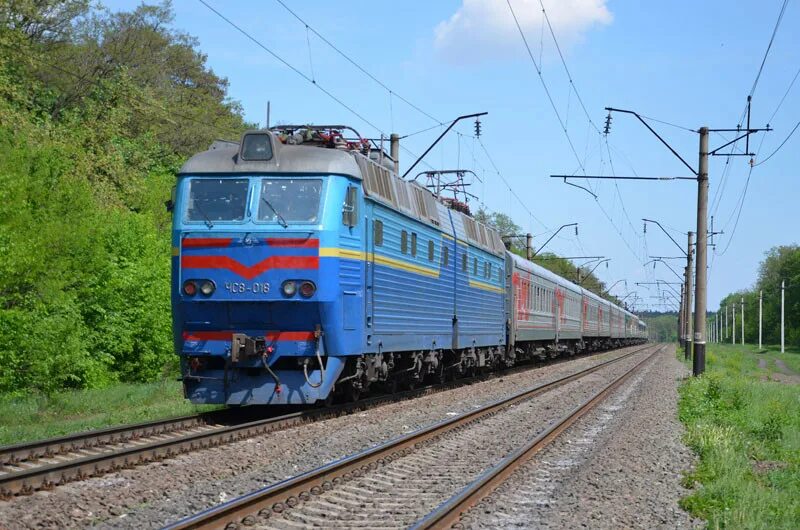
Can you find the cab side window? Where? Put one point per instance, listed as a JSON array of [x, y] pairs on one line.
[[377, 232]]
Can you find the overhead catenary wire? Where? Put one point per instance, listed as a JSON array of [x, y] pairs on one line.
[[780, 146], [743, 195], [510, 189], [291, 67], [573, 88], [356, 64]]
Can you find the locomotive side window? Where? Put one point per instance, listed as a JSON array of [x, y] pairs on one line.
[[464, 262], [290, 200], [350, 207], [404, 242], [377, 232], [475, 266], [445, 255], [217, 200], [430, 250], [414, 244]]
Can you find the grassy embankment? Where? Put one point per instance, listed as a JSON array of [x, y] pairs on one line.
[[31, 418], [743, 420]]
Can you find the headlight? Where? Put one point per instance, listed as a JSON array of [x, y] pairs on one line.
[[289, 287], [189, 288], [307, 289], [207, 287]]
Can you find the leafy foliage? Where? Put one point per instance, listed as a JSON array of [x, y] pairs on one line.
[[781, 263], [97, 110], [746, 433]]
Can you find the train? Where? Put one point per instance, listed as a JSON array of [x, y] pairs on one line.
[[305, 270]]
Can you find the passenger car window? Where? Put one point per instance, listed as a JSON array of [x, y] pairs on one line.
[[217, 200], [290, 200]]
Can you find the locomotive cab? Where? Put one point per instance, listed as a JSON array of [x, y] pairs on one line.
[[258, 231]]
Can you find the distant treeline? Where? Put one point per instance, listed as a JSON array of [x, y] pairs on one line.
[[781, 264], [97, 112]]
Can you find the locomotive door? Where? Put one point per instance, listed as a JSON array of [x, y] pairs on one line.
[[371, 229], [453, 264]]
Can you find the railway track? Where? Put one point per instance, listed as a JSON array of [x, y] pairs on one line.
[[390, 482], [44, 464]]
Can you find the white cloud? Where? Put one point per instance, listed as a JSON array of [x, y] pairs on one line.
[[484, 29]]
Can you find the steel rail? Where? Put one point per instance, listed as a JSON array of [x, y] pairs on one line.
[[35, 476], [12, 454], [289, 493], [451, 511]]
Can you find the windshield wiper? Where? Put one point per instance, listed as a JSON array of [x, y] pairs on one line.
[[281, 220], [207, 219]]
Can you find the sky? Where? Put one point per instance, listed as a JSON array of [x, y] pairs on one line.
[[687, 63]]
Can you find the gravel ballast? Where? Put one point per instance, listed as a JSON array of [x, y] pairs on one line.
[[152, 495], [620, 466]]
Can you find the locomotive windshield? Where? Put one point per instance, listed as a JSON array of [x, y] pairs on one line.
[[290, 200], [217, 200]]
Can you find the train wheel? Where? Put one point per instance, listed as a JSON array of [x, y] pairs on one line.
[[353, 393]]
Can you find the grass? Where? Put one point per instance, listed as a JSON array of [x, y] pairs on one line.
[[36, 417], [745, 430]]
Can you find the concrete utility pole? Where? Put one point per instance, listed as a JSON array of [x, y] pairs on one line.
[[726, 320], [688, 341], [743, 321], [733, 323], [783, 300], [760, 310], [681, 313], [701, 259]]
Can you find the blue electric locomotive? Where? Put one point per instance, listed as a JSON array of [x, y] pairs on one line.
[[302, 267]]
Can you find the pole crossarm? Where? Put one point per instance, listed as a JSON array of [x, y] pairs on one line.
[[673, 151], [554, 235], [613, 177], [659, 260], [587, 190], [428, 150], [669, 236], [593, 269]]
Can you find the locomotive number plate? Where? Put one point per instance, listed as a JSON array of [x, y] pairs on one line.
[[242, 287]]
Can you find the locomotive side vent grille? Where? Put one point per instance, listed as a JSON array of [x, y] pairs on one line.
[[401, 187], [469, 225]]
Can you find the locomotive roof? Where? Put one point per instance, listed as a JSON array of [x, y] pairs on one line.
[[225, 157]]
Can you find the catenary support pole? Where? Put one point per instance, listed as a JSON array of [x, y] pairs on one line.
[[689, 324], [681, 311], [742, 306], [783, 303], [701, 262], [760, 311], [733, 324], [726, 320]]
